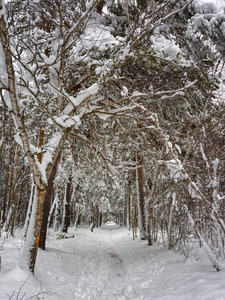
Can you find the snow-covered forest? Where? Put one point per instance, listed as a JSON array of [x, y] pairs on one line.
[[112, 149]]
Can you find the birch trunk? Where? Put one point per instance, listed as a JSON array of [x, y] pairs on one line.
[[29, 210], [29, 254], [37, 227]]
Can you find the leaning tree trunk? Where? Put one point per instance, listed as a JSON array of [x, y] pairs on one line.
[[36, 218], [32, 241], [29, 254], [47, 203]]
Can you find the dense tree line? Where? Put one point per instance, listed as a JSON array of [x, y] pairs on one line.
[[113, 109]]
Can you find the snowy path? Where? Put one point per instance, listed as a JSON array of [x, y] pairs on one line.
[[108, 265], [95, 273]]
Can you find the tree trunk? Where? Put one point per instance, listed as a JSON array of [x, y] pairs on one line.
[[40, 145], [92, 217], [15, 189], [57, 214], [36, 218], [37, 227], [128, 207], [6, 189], [29, 210], [170, 226], [52, 211], [66, 222], [29, 255], [140, 196], [77, 212], [10, 193], [0, 215], [15, 205], [47, 203], [99, 7], [134, 219], [97, 216], [100, 219], [152, 195]]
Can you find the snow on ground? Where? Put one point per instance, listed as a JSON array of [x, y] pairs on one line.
[[106, 265]]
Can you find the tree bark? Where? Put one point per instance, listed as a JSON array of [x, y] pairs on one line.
[[6, 189], [16, 198], [37, 227], [40, 145], [29, 210], [149, 204], [100, 6], [100, 220], [128, 206], [47, 203], [66, 223], [134, 219], [140, 196], [97, 216], [11, 190], [92, 217], [15, 189], [0, 215]]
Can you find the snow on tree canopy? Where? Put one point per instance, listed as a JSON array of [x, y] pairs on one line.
[[175, 169], [73, 65], [165, 47], [209, 8]]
